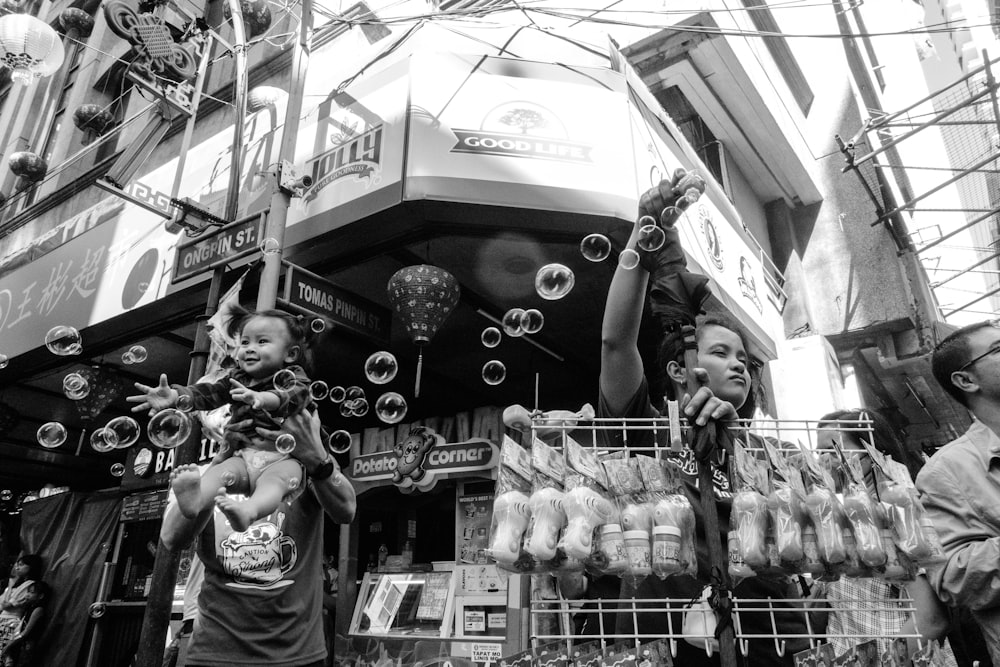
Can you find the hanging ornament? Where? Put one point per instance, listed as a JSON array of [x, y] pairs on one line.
[[256, 16], [29, 166], [93, 119], [262, 97], [77, 21], [424, 296], [29, 46]]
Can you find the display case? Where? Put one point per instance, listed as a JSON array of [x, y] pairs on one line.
[[405, 604]]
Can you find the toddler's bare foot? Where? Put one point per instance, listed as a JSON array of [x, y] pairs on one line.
[[186, 483], [238, 512]]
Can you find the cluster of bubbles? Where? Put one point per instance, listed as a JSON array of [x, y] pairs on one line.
[[135, 355], [75, 386], [353, 401]]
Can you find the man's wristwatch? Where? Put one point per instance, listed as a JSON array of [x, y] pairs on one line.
[[324, 470]]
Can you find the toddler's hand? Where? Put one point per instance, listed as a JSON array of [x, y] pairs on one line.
[[154, 399], [241, 394]]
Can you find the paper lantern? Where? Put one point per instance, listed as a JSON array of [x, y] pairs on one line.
[[424, 297], [262, 97], [29, 166], [93, 119], [256, 16], [105, 387], [76, 20], [29, 46]]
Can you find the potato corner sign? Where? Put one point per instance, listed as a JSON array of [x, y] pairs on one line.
[[421, 459]]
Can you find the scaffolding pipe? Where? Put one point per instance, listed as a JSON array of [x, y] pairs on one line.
[[961, 229], [962, 174], [965, 270], [974, 301]]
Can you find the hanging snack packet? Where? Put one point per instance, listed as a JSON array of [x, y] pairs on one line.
[[546, 502], [587, 503], [749, 513], [673, 518], [738, 569], [608, 555], [511, 512], [636, 514], [860, 510], [786, 505], [824, 510]]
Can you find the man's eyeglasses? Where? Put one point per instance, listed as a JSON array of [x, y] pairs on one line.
[[993, 350]]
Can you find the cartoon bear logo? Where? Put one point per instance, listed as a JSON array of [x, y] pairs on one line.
[[410, 455]]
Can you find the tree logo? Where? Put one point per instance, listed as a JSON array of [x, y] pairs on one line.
[[522, 129]]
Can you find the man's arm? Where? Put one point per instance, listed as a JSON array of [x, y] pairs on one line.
[[335, 494], [970, 575]]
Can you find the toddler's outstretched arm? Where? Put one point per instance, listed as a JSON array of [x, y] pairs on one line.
[[154, 399]]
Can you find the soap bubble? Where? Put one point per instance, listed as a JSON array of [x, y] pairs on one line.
[[127, 358], [490, 337], [692, 195], [75, 386], [228, 478], [63, 341], [347, 409], [125, 430], [117, 469], [284, 380], [532, 321], [185, 403], [360, 407], [338, 394], [512, 322], [51, 434], [381, 368], [168, 428], [270, 246], [390, 407], [340, 442], [318, 325], [494, 372], [651, 238], [353, 392], [646, 221], [97, 610], [6, 495], [669, 215], [293, 483], [285, 443], [554, 281], [629, 259], [139, 354], [595, 247], [99, 441], [4, 360], [319, 390]]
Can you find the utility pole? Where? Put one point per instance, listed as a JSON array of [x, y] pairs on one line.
[[156, 618]]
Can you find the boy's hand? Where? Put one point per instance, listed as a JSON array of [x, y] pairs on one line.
[[154, 399], [241, 394]]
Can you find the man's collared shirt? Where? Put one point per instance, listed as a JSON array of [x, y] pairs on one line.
[[960, 489]]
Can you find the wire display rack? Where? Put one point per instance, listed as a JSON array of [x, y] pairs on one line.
[[752, 618]]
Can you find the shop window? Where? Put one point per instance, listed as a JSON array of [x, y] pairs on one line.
[[764, 21], [711, 151]]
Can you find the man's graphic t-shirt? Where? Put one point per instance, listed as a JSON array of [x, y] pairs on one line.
[[261, 603]]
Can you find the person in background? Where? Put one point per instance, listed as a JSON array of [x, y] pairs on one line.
[[262, 597], [20, 650], [15, 599], [870, 600], [960, 485]]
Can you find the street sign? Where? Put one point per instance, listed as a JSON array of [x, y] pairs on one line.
[[217, 247], [318, 296]]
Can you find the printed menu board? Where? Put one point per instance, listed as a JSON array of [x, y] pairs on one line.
[[434, 596]]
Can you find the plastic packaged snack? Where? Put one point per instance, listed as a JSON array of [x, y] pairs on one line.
[[786, 506], [626, 484], [587, 503], [511, 511], [673, 527], [749, 513], [546, 502], [824, 510]]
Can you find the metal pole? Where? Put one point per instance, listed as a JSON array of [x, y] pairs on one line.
[[156, 619], [274, 232]]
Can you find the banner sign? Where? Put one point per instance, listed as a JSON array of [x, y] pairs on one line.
[[317, 295]]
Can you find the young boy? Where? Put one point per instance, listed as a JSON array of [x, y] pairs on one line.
[[267, 384]]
